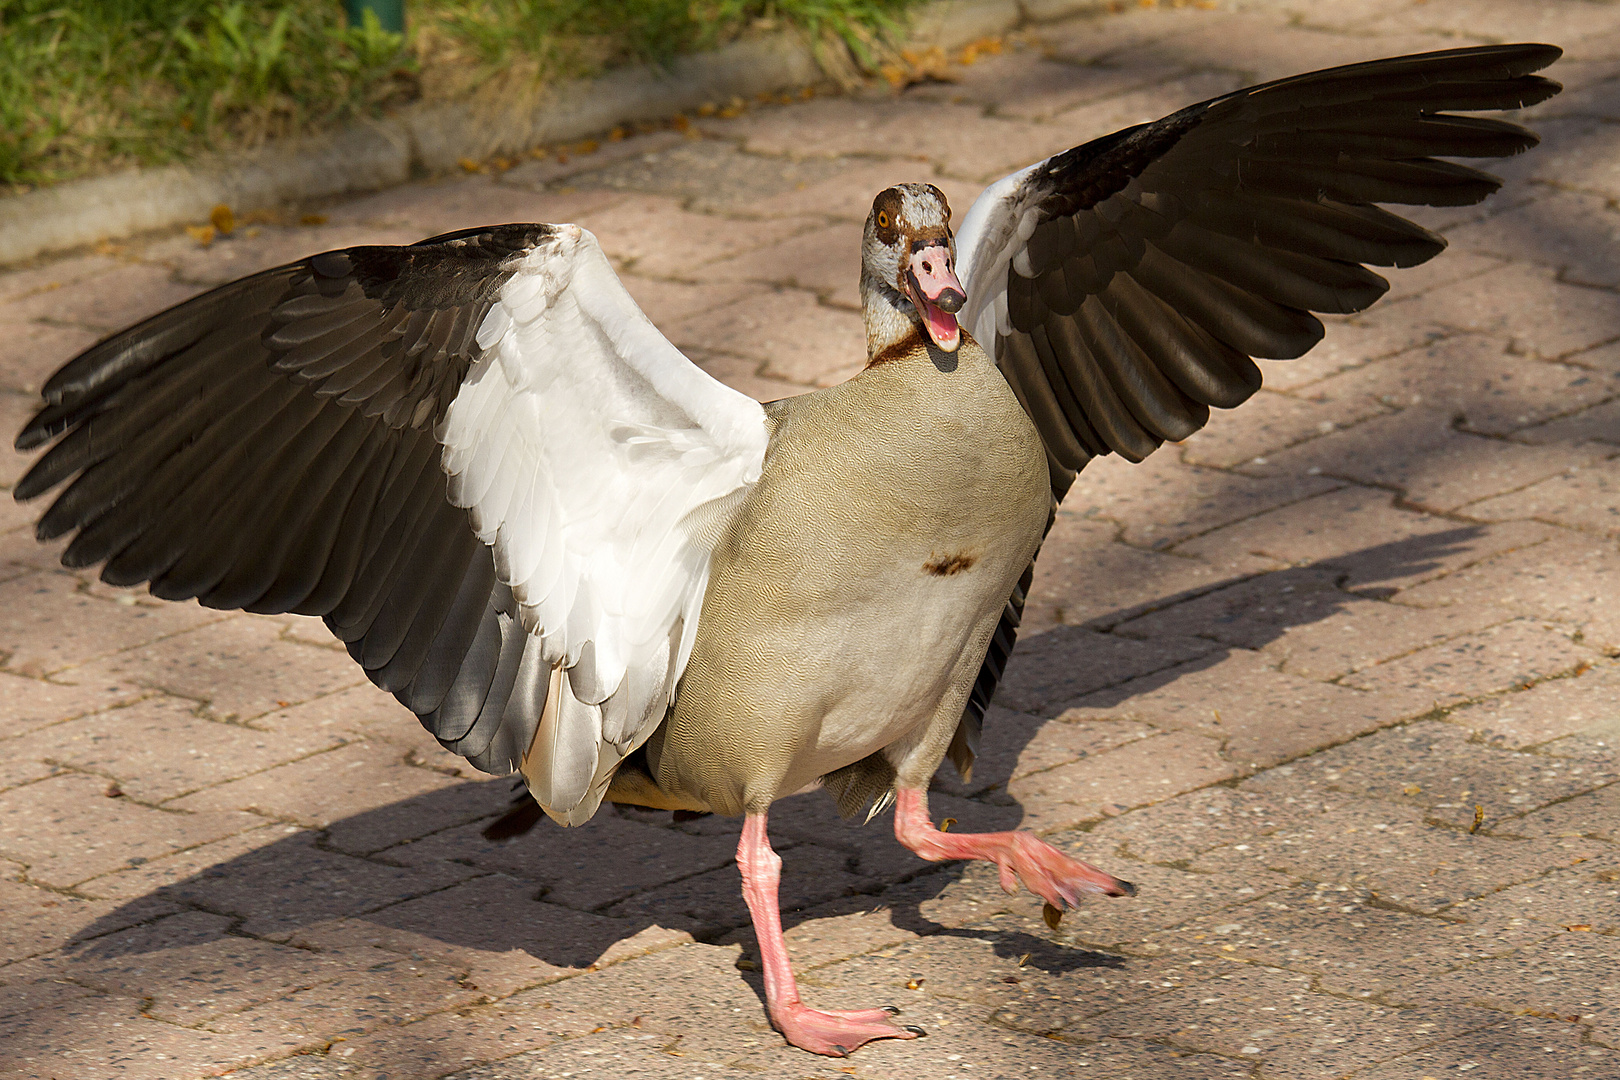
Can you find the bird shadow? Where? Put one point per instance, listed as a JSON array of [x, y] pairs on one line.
[[420, 869]]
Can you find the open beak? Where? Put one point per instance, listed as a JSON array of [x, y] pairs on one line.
[[936, 294]]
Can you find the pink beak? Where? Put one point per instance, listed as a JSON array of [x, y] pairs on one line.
[[936, 294]]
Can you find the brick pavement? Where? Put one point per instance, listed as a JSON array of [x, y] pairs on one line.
[[1281, 665]]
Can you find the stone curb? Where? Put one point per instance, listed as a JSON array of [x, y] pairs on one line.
[[377, 154]]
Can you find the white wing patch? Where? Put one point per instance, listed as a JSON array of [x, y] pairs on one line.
[[992, 238], [582, 443]]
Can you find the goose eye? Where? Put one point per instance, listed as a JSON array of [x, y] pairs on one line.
[[883, 219]]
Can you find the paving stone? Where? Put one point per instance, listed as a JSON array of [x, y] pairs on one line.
[[1144, 771], [361, 710], [1542, 317], [118, 297], [1255, 45], [1274, 1019], [585, 868], [1522, 1047], [1600, 423], [656, 238], [1139, 106], [1512, 654], [39, 920], [278, 888], [1436, 766], [1573, 233], [1391, 851], [1019, 83], [1362, 534], [667, 302], [1050, 669], [1567, 579], [847, 194], [1581, 498], [1583, 896], [1351, 343], [362, 793], [32, 704], [1593, 814], [1311, 627], [1549, 710], [1570, 976], [1086, 577], [48, 623], [48, 275], [159, 748], [227, 258], [1271, 422], [1259, 715], [1163, 501], [958, 137], [1418, 452], [1348, 947], [1514, 20], [443, 204], [796, 339], [1021, 982], [240, 667], [188, 969], [1176, 830], [1475, 378], [29, 985], [390, 991], [30, 351], [151, 877], [108, 1036], [66, 829], [1016, 745], [825, 261]]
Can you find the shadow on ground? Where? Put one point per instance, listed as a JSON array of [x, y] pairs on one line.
[[566, 896]]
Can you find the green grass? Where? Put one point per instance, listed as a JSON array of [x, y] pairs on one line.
[[89, 86]]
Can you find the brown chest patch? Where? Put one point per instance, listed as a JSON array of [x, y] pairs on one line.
[[946, 565]]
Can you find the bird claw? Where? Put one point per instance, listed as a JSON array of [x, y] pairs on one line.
[[838, 1033]]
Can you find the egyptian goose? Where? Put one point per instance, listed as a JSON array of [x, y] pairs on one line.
[[573, 554]]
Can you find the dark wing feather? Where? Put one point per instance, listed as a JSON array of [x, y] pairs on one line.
[[269, 446], [1159, 259]]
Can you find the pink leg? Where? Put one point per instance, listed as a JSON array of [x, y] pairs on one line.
[[832, 1033], [1044, 870]]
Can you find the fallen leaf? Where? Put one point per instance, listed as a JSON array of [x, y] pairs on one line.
[[914, 984], [203, 234], [1579, 928], [222, 219], [312, 219], [1052, 915], [945, 826]]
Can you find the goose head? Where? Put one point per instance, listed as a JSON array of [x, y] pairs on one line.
[[907, 279]]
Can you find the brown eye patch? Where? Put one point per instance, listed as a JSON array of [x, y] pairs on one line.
[[885, 215]]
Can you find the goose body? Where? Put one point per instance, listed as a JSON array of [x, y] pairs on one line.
[[574, 555], [851, 601]]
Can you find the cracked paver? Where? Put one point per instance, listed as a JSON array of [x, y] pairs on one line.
[[1336, 682]]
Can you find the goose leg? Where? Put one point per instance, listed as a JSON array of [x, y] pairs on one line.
[[832, 1033], [1044, 870]]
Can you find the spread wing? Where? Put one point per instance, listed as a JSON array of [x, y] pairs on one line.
[[474, 457], [1124, 285]]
